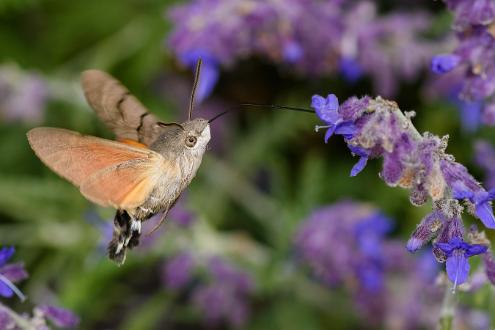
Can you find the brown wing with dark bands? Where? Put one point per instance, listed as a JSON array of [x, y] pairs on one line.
[[108, 173], [118, 108]]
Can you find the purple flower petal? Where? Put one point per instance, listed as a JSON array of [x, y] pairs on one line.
[[5, 290], [359, 166], [14, 272], [61, 317], [293, 52], [457, 267], [332, 102], [460, 191], [326, 109], [350, 69], [444, 63], [347, 129], [329, 133], [178, 271], [207, 81], [317, 102], [484, 212], [209, 71], [5, 254], [445, 247], [475, 249]]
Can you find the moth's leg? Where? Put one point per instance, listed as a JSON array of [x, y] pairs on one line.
[[121, 230], [135, 233], [162, 218]]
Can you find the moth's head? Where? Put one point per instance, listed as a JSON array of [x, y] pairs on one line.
[[191, 136], [196, 133]]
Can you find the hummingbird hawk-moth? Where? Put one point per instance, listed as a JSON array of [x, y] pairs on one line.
[[140, 174]]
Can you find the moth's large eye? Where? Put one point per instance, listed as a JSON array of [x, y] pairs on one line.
[[191, 141]]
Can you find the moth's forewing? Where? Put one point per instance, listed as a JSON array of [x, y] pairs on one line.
[[108, 173]]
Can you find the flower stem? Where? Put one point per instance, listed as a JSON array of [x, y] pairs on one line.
[[448, 309]]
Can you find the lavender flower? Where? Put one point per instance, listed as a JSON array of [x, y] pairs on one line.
[[22, 95], [444, 63], [485, 158], [61, 317], [178, 271], [458, 252], [418, 163], [315, 37], [221, 298], [10, 274], [343, 244], [474, 55]]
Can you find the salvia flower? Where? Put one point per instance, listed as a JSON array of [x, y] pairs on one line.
[[10, 274], [221, 297], [485, 158], [316, 38], [61, 317], [474, 55], [416, 162], [458, 252], [343, 244], [23, 95], [444, 63], [178, 271]]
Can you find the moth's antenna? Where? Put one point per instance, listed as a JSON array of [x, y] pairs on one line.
[[268, 106], [276, 107], [195, 85]]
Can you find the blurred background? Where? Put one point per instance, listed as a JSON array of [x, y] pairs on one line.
[[272, 232]]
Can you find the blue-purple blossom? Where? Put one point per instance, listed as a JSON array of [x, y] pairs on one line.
[[458, 252], [328, 111], [221, 297], [23, 95], [10, 274], [345, 245], [475, 53], [61, 317], [178, 271], [316, 38], [485, 158], [444, 63], [344, 242], [6, 321], [224, 298], [481, 200], [350, 69]]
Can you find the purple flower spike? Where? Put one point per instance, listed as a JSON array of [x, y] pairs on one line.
[[457, 252], [61, 317], [444, 63], [485, 158], [178, 271]]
